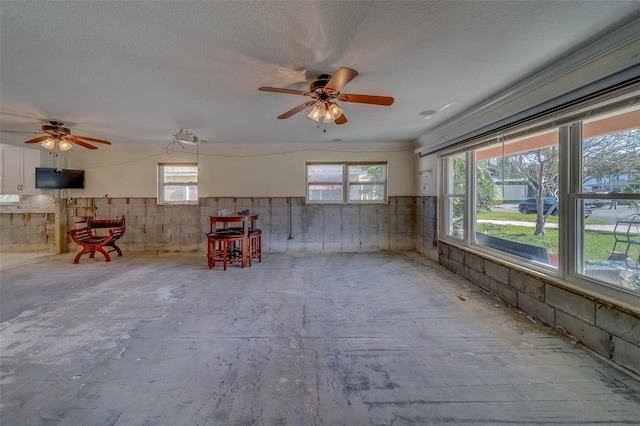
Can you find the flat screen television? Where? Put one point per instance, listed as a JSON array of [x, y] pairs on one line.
[[49, 178]]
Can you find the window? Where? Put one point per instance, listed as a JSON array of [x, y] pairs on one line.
[[9, 199], [178, 183], [517, 209], [563, 198], [325, 182], [455, 178], [347, 183], [610, 159]]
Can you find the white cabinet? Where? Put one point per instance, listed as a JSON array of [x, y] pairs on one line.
[[19, 170]]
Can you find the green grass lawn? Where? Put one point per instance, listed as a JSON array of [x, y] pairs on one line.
[[598, 244]]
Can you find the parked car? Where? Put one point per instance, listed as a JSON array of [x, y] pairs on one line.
[[587, 210], [530, 205]]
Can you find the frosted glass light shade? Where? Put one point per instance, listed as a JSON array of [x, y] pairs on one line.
[[332, 112], [317, 112], [64, 145], [48, 143]]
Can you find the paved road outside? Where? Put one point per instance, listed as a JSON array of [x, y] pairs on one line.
[[603, 214]]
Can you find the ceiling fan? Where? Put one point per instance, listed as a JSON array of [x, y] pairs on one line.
[[324, 91], [56, 133]]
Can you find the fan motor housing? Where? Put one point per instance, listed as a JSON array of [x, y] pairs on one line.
[[55, 130], [320, 82]]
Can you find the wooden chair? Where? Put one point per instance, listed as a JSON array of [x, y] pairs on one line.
[[96, 224], [92, 243]]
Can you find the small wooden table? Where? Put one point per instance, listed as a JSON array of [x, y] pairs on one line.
[[247, 221]]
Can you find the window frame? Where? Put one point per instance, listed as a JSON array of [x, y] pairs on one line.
[[502, 141], [346, 183], [449, 196], [571, 226], [161, 183]]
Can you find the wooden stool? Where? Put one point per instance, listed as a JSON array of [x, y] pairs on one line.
[[255, 244], [224, 246]]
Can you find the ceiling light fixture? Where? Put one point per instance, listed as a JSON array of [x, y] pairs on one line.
[[428, 113], [50, 143], [64, 145], [328, 111], [317, 111], [332, 112]]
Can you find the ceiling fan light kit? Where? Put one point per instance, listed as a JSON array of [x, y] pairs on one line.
[[324, 90], [64, 145], [317, 111], [50, 143], [333, 112], [56, 134]]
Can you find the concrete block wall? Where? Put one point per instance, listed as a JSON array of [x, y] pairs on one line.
[[287, 223], [611, 331], [426, 226], [28, 226], [27, 232]]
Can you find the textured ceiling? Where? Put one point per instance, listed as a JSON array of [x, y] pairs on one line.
[[135, 72]]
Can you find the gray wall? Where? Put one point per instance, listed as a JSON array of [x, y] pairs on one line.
[[287, 224], [426, 226], [28, 226]]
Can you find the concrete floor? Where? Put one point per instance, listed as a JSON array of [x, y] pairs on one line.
[[323, 339]]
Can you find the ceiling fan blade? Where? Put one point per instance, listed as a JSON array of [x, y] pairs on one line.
[[289, 91], [74, 139], [18, 131], [38, 139], [296, 110], [93, 139], [340, 79], [366, 99], [340, 120]]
